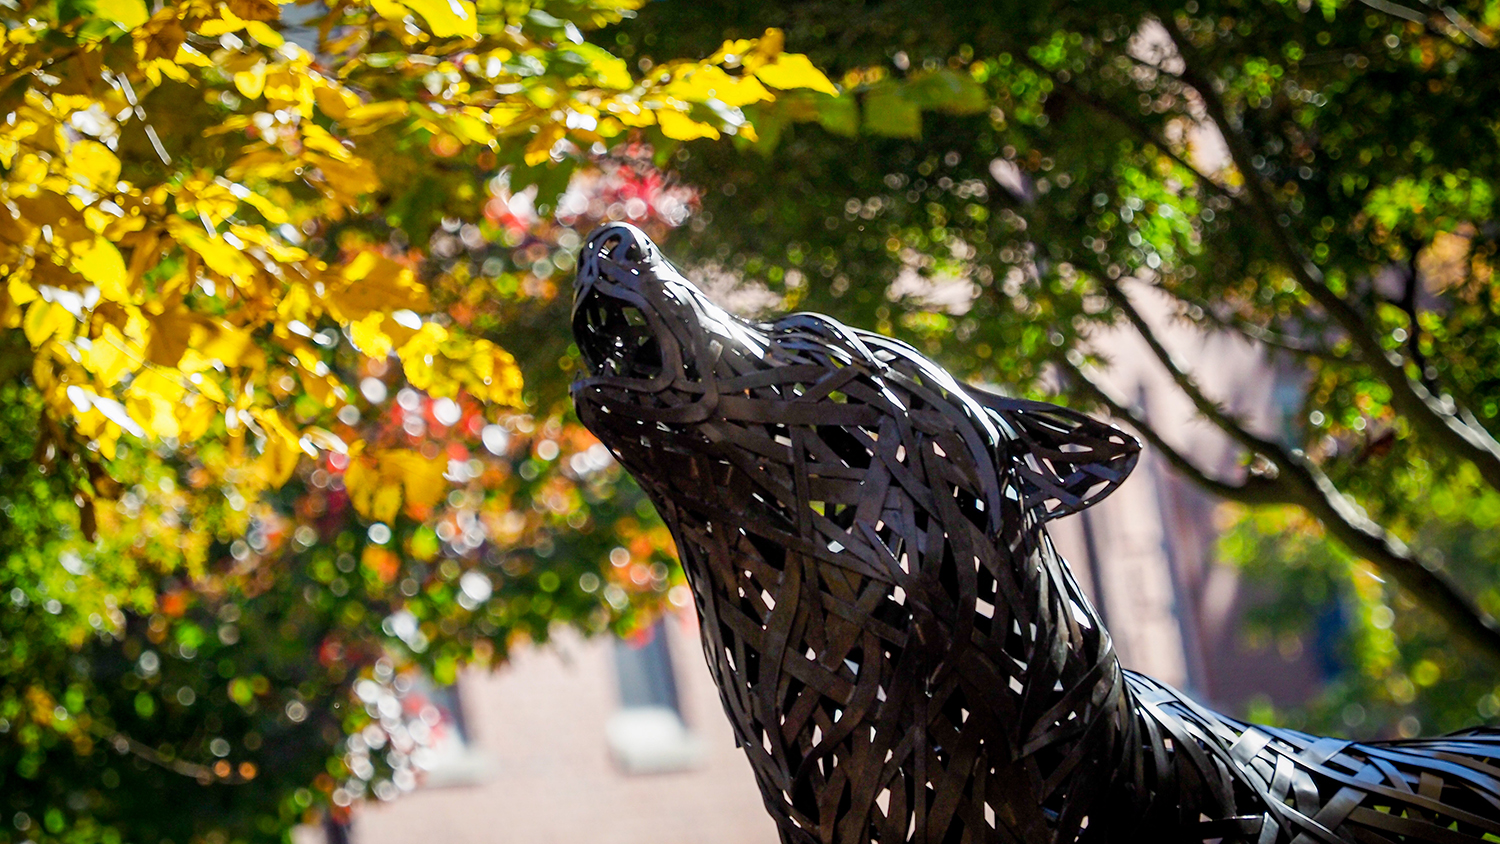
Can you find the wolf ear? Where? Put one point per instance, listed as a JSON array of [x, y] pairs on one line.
[[1066, 461]]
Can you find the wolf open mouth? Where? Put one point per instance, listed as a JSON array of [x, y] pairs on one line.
[[615, 338]]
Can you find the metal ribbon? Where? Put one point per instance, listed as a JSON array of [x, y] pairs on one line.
[[903, 654]]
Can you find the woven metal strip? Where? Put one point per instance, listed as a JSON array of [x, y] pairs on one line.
[[902, 653]]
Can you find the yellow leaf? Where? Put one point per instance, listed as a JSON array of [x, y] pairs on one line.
[[99, 261], [334, 101], [20, 292], [251, 82], [94, 162], [447, 18], [209, 388], [361, 480], [379, 480], [109, 357], [107, 440], [505, 114], [153, 384], [317, 138], [264, 34], [13, 230], [368, 338], [320, 387], [540, 148], [442, 364], [188, 56], [226, 344], [152, 400], [126, 14], [219, 255], [227, 22], [469, 126], [254, 10], [793, 70], [700, 84], [373, 283], [278, 460], [274, 214], [741, 48], [169, 336], [371, 116], [771, 43], [609, 70], [280, 452], [389, 9], [675, 124], [269, 164], [194, 419], [421, 478], [502, 376], [46, 319], [353, 178]]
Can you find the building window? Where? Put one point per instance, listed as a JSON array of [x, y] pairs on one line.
[[434, 716], [647, 735]]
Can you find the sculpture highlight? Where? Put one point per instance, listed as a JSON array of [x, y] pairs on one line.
[[902, 653]]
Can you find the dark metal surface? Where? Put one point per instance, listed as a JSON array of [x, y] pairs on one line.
[[901, 651]]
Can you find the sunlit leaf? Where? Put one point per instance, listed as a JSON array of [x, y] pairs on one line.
[[99, 261], [379, 483], [792, 70], [447, 18], [127, 14], [678, 126]]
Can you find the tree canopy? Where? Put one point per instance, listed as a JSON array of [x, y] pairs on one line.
[[283, 341], [1315, 178], [267, 444]]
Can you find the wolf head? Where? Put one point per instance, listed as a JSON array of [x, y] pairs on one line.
[[902, 654], [669, 369]]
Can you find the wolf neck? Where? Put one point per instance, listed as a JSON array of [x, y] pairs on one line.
[[1065, 721]]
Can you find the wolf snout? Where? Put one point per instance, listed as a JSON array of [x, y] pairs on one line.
[[609, 325], [615, 251]]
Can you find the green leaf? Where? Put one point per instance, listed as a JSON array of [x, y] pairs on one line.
[[888, 112], [949, 91], [839, 115]]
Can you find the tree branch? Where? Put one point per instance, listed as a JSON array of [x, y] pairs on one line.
[[1297, 480], [1420, 576], [1451, 15], [1204, 405], [1126, 120], [1252, 492], [1437, 417], [1269, 337], [202, 773], [1251, 331]]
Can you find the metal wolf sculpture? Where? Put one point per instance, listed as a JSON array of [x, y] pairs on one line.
[[903, 654]]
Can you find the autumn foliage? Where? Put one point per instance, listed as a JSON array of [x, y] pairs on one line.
[[264, 448]]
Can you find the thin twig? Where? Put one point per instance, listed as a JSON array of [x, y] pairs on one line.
[[1118, 115], [1413, 399], [1297, 480], [1204, 405], [1253, 492], [202, 773]]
